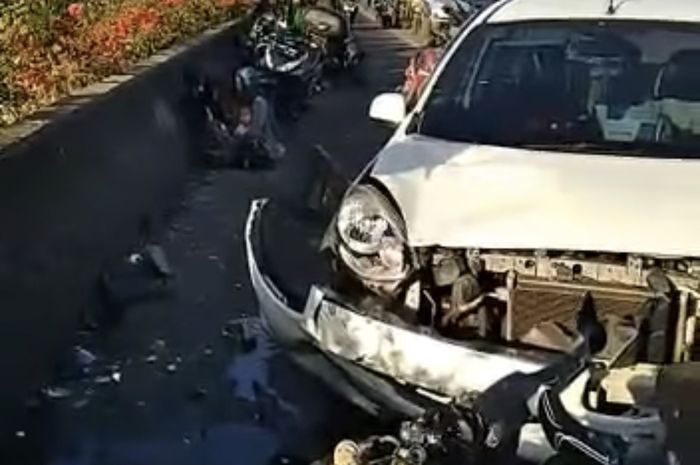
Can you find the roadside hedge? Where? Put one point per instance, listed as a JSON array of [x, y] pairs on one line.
[[50, 47]]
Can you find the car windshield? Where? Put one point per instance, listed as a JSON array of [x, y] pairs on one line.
[[603, 86]]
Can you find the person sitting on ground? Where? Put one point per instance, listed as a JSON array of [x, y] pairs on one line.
[[254, 140]]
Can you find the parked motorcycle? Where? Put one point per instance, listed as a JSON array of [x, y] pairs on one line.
[[332, 33], [386, 12], [295, 58], [295, 65], [263, 26], [351, 8]]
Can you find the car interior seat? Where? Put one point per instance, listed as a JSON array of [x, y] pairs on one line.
[[678, 91]]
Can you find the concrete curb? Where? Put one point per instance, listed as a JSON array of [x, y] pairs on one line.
[[79, 98]]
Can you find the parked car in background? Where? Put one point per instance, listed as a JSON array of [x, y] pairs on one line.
[[551, 161]]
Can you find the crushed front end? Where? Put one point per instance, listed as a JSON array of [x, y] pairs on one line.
[[445, 323], [518, 305], [514, 298]]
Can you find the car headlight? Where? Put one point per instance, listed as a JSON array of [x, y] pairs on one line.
[[372, 236]]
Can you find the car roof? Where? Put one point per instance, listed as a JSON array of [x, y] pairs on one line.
[[552, 10]]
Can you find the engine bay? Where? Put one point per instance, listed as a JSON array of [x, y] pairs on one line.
[[531, 300]]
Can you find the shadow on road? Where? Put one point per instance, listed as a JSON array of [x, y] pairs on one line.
[[188, 392]]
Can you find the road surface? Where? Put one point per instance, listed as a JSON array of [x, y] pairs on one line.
[[177, 387]]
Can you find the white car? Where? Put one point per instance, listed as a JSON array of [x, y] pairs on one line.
[[553, 159]]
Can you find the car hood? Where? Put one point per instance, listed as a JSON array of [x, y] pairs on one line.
[[469, 195]]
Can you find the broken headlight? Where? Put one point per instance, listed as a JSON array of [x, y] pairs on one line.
[[372, 238]]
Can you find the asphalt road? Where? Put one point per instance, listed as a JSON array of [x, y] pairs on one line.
[[171, 383]]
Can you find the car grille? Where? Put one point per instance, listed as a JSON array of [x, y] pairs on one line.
[[534, 302]]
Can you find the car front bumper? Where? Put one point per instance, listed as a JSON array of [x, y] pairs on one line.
[[385, 366]]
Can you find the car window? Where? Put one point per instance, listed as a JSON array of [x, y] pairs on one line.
[[616, 86]]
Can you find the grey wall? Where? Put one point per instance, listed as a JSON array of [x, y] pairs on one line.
[[72, 196]]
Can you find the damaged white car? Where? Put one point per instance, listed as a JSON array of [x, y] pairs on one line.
[[553, 158]]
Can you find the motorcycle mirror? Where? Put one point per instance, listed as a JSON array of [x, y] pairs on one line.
[[388, 108]]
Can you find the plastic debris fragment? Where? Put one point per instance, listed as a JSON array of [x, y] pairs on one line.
[[241, 334], [80, 404], [103, 379], [84, 357], [57, 392]]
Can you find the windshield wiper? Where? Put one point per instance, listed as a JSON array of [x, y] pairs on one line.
[[617, 148], [569, 146]]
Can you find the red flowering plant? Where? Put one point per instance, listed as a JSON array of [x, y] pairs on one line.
[[75, 10], [49, 47]]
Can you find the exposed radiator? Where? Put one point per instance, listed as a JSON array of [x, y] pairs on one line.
[[537, 301]]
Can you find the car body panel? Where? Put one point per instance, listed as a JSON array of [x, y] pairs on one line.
[[426, 360], [468, 195], [375, 363], [571, 10]]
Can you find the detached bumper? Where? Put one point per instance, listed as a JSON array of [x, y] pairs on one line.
[[284, 322]]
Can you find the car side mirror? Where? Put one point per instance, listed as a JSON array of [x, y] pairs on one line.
[[388, 108]]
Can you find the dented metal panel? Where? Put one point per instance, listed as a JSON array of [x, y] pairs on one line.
[[468, 195], [424, 360]]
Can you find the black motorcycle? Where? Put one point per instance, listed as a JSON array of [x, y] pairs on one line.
[[351, 8], [386, 13], [263, 27], [332, 33], [295, 65]]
